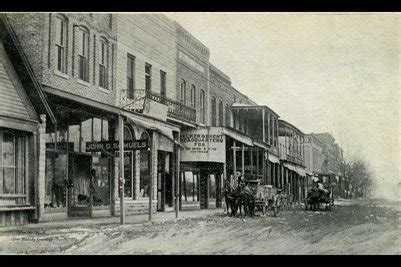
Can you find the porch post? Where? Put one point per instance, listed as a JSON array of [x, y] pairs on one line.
[[243, 161], [234, 161], [121, 150]]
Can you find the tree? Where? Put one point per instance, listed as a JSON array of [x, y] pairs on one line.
[[358, 180]]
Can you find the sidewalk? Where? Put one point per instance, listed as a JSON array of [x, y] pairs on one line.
[[158, 217]]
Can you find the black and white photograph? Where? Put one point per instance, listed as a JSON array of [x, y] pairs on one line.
[[200, 133]]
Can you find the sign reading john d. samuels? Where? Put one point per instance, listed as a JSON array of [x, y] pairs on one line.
[[114, 145], [206, 144]]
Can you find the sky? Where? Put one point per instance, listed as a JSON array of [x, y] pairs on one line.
[[333, 72]]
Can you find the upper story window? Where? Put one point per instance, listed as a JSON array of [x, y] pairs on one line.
[[214, 117], [193, 96], [183, 91], [221, 113], [228, 116], [130, 76], [83, 53], [61, 43], [162, 83], [148, 77], [103, 64], [202, 105]]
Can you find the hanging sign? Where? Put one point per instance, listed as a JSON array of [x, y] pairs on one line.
[[114, 145], [205, 144]]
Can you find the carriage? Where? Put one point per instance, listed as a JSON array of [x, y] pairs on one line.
[[319, 195], [267, 198], [255, 197]]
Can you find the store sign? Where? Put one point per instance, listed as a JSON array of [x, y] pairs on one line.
[[68, 146], [114, 145], [205, 145], [155, 109]]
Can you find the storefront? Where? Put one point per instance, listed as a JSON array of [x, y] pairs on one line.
[[78, 178], [213, 155]]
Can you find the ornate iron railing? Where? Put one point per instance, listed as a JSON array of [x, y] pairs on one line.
[[175, 109]]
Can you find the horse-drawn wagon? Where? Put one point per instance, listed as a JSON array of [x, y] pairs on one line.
[[319, 195], [270, 198]]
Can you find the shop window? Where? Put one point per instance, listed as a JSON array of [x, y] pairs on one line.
[[103, 64], [56, 180], [12, 163], [61, 43], [83, 52]]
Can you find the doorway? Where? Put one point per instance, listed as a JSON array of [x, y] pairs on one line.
[[79, 193], [164, 180]]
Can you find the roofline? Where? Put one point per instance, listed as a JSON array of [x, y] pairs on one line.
[[258, 106], [291, 125], [7, 25]]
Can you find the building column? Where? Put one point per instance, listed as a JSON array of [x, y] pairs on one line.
[[40, 145], [113, 170]]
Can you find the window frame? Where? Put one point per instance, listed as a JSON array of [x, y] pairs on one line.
[[214, 111], [104, 64], [130, 91], [183, 91], [202, 105], [61, 44], [19, 158], [83, 55], [163, 81], [193, 96], [148, 77]]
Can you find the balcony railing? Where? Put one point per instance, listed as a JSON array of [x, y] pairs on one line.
[[175, 110], [295, 159]]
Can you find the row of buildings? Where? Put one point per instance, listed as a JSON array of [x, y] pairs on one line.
[[78, 87]]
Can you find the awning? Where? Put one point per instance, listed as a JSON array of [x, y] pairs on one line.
[[301, 171], [309, 173], [163, 130], [290, 167], [273, 158], [238, 137]]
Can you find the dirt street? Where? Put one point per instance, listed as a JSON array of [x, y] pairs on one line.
[[357, 227]]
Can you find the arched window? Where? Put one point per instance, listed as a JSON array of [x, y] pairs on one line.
[[227, 116], [221, 113], [83, 54], [202, 106], [214, 111], [61, 29], [183, 90], [103, 63], [193, 96]]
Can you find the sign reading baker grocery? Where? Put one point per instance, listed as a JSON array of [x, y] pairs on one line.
[[205, 144]]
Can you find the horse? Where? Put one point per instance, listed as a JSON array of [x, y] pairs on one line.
[[313, 199]]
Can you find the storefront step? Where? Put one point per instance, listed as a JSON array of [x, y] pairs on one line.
[[135, 208], [14, 217]]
